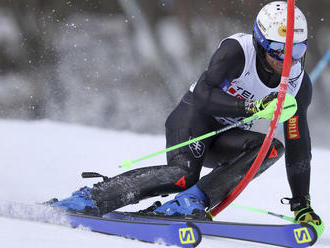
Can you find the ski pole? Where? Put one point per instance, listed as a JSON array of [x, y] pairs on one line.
[[127, 163], [284, 217], [289, 109]]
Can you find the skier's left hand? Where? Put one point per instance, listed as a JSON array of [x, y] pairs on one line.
[[307, 215], [304, 213]]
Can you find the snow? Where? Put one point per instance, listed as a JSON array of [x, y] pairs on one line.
[[41, 160]]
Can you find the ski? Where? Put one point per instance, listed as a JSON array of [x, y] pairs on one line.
[[290, 235], [166, 230], [181, 234]]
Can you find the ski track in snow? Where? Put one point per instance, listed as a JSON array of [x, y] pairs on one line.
[[41, 160]]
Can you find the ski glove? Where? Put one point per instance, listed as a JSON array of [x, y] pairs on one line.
[[252, 107], [303, 212], [306, 215]]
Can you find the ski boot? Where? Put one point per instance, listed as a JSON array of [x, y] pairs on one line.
[[80, 202], [190, 203]]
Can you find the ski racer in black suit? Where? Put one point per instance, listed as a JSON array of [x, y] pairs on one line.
[[242, 77]]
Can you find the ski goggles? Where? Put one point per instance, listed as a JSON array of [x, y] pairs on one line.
[[276, 49]]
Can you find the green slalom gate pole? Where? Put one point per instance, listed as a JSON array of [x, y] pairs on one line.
[[289, 109], [127, 164]]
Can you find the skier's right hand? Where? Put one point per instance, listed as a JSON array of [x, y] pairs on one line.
[[252, 107]]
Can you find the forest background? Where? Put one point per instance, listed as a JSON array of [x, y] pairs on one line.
[[125, 64]]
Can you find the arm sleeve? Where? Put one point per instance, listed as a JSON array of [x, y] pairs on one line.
[[227, 63], [298, 143]]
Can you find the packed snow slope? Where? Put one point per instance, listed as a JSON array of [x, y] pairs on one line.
[[41, 160]]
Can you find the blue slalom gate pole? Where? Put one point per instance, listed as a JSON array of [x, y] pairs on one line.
[[318, 69]]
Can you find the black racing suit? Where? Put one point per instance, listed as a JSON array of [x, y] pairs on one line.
[[230, 154]]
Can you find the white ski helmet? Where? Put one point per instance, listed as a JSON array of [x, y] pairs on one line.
[[272, 19], [269, 31]]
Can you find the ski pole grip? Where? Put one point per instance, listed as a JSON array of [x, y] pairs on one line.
[[93, 175]]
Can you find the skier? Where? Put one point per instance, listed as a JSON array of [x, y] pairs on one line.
[[242, 78]]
